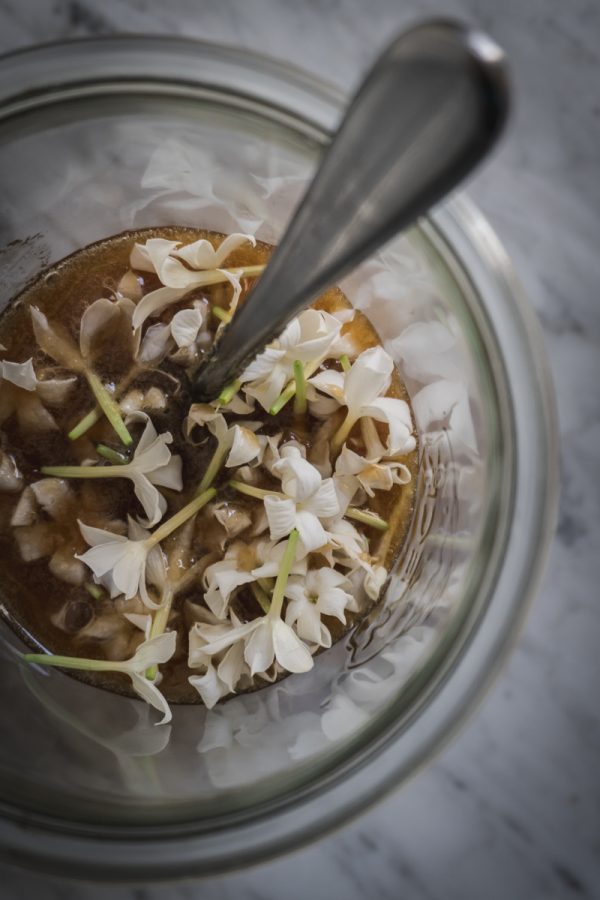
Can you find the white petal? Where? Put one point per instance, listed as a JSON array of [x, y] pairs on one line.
[[21, 374], [153, 503], [153, 652], [312, 534], [209, 686], [152, 304], [245, 447], [368, 378], [25, 512], [281, 515], [262, 366], [94, 320], [232, 666], [94, 536], [54, 391], [260, 652], [374, 581], [143, 622], [299, 479], [185, 326], [397, 415], [156, 343], [150, 693], [55, 341], [324, 503], [150, 257], [330, 382], [169, 476], [55, 496], [289, 650]]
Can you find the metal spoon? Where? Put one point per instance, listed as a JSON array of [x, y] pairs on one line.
[[426, 114]]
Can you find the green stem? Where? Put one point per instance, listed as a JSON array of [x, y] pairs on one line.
[[85, 471], [345, 362], [267, 584], [159, 623], [367, 518], [229, 392], [222, 314], [342, 432], [284, 573], [109, 407], [74, 662], [113, 456], [300, 385], [252, 491], [179, 518], [213, 468], [290, 389], [94, 590], [95, 414], [261, 597]]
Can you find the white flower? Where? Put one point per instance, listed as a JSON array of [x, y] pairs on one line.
[[100, 320], [372, 474], [310, 338], [243, 564], [23, 394], [181, 332], [167, 258], [321, 592], [349, 548], [220, 677], [119, 563], [237, 441], [265, 639], [152, 465], [308, 498], [361, 390]]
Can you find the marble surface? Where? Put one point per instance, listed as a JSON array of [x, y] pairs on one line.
[[511, 808]]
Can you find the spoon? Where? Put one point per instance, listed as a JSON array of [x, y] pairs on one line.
[[426, 114]]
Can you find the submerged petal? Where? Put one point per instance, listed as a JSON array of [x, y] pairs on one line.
[[289, 650]]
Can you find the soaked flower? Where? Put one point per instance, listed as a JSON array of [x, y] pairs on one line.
[[371, 474], [183, 268], [309, 338], [150, 653], [320, 592], [26, 396], [361, 390], [307, 498]]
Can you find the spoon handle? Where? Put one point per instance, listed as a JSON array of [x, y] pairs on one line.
[[425, 115]]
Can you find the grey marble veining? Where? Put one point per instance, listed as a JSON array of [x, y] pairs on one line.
[[511, 808]]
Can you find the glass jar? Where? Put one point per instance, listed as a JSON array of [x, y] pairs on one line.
[[105, 135]]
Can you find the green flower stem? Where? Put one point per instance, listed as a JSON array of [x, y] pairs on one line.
[[290, 390], [95, 414], [343, 432], [86, 471], [222, 314], [109, 407], [261, 597], [229, 392], [284, 573], [345, 362], [176, 521], [300, 385], [113, 456], [94, 590], [267, 584], [213, 468], [159, 623], [367, 518], [75, 662], [252, 491]]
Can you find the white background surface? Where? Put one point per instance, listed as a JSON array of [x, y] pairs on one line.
[[510, 811]]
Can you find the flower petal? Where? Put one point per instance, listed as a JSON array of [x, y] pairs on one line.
[[397, 415], [281, 515], [290, 651], [54, 391], [153, 652], [312, 534], [245, 447], [55, 341], [151, 694], [209, 686], [299, 479], [155, 345], [185, 326], [152, 304], [260, 652], [94, 320], [153, 503], [21, 374], [369, 377]]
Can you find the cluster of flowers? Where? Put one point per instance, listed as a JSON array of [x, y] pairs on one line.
[[305, 562]]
